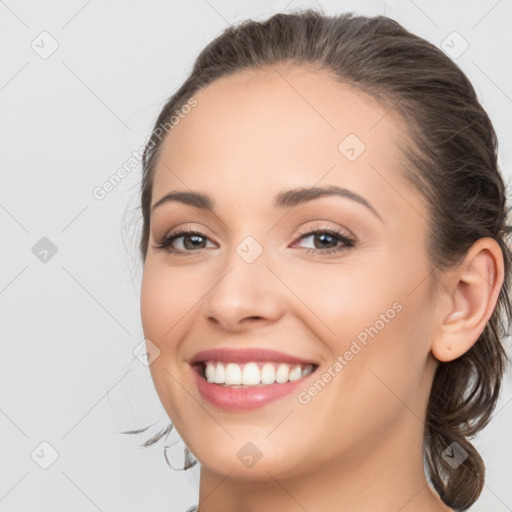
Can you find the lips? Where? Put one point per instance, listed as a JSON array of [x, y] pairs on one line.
[[247, 355]]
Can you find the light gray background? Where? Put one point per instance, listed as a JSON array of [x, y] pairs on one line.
[[68, 375]]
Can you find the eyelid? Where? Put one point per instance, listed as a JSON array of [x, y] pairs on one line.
[[325, 227], [163, 241], [347, 241]]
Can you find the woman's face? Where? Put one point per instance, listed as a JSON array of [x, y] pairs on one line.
[[255, 278]]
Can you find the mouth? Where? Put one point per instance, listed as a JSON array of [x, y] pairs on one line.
[[250, 378], [252, 373]]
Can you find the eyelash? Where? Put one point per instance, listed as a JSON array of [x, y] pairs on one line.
[[166, 241]]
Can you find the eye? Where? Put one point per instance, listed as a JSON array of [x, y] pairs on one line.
[[330, 240], [192, 240]]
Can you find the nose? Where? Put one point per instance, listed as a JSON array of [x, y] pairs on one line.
[[247, 295]]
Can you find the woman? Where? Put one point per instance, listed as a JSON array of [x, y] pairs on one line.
[[325, 266]]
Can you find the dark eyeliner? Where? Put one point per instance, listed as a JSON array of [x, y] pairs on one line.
[[165, 242]]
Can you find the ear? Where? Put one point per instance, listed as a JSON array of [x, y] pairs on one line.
[[470, 294]]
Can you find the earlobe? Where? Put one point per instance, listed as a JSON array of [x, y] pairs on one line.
[[472, 291]]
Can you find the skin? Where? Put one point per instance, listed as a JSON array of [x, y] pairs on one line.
[[358, 444]]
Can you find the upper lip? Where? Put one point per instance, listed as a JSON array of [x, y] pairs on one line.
[[246, 355]]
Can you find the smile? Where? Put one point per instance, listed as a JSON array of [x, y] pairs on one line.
[[245, 397], [254, 373]]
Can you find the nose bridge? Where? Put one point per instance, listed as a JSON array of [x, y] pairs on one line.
[[246, 288]]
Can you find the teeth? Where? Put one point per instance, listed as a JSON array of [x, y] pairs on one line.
[[250, 374], [233, 374], [253, 374], [268, 374]]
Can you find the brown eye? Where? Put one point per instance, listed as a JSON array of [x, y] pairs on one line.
[[327, 241], [192, 241]]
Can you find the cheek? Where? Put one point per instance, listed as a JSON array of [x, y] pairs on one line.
[[346, 299], [376, 310], [153, 304], [165, 299], [387, 345]]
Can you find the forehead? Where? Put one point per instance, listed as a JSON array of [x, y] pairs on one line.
[[285, 127]]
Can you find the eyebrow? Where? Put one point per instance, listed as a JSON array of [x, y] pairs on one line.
[[285, 199]]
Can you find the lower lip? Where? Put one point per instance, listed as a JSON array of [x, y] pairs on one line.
[[244, 399]]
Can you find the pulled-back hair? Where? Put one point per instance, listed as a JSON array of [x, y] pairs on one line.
[[450, 148]]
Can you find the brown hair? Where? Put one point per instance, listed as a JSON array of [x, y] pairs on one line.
[[451, 150]]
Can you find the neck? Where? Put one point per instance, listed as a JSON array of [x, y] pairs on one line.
[[384, 475]]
